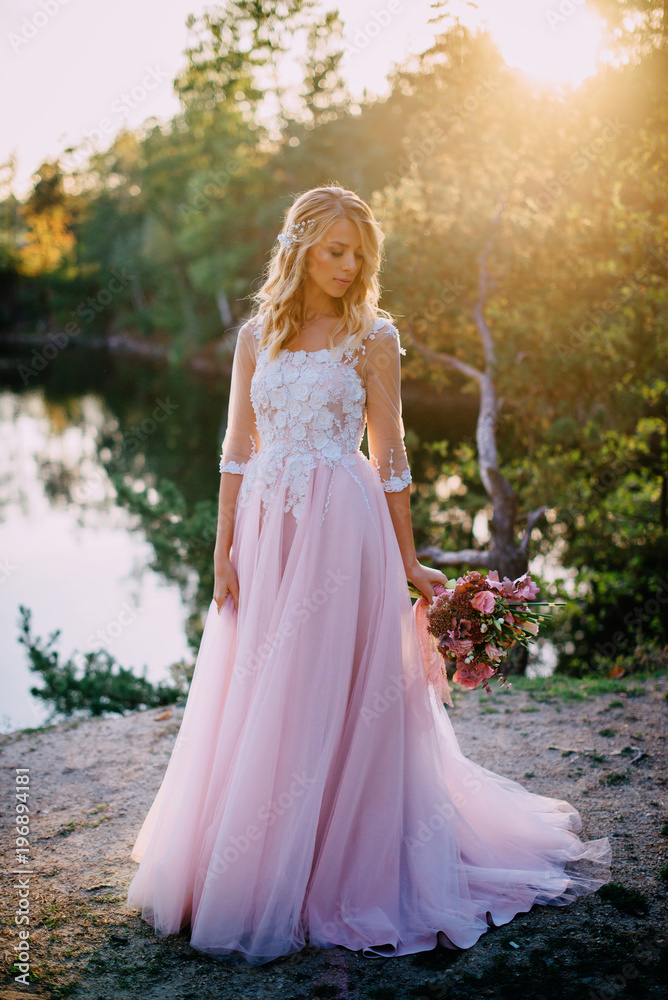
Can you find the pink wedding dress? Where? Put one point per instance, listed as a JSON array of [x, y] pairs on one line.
[[316, 790]]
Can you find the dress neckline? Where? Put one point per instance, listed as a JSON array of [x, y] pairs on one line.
[[326, 350], [322, 350]]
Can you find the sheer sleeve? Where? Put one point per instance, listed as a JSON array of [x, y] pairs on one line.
[[385, 429], [241, 436]]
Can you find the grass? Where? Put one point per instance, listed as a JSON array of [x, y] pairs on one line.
[[562, 686], [625, 900], [616, 778], [607, 732]]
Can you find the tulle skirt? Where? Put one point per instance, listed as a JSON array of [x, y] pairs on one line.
[[316, 790]]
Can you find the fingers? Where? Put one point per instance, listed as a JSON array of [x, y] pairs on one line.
[[220, 595], [223, 591]]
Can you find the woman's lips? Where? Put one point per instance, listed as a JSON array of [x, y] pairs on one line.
[[341, 281]]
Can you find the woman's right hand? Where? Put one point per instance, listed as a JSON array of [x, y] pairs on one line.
[[225, 583]]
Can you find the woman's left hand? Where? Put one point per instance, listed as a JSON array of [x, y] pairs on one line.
[[424, 578]]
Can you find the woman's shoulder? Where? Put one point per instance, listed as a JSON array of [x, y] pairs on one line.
[[249, 333], [384, 329], [252, 327]]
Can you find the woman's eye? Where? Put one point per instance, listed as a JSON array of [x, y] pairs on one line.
[[340, 254]]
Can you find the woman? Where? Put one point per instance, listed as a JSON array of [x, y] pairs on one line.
[[316, 788]]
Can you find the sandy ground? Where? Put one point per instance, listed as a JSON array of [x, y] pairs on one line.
[[92, 782]]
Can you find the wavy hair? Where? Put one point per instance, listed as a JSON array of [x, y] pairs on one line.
[[279, 300]]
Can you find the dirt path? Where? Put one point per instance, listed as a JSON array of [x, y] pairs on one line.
[[92, 782]]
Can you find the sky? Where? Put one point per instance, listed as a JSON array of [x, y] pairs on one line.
[[75, 71]]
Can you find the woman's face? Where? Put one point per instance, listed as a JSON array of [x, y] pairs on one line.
[[334, 262]]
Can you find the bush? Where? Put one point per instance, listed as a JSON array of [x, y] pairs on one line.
[[100, 685], [646, 657]]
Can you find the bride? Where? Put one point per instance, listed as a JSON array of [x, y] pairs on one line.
[[316, 790]]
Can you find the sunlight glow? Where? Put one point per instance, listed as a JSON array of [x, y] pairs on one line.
[[556, 41]]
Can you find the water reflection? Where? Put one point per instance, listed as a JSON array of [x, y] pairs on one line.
[[133, 577], [71, 554]]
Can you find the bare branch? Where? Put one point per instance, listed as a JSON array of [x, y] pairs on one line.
[[473, 557], [443, 360], [532, 520]]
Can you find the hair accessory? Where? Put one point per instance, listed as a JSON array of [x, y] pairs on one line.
[[297, 227]]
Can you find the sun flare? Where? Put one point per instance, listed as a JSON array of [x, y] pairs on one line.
[[555, 41]]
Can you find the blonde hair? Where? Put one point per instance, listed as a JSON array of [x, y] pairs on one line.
[[280, 298]]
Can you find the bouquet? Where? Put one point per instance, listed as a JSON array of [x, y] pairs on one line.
[[476, 623]]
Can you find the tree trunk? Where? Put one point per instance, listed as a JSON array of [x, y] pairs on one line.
[[508, 556]]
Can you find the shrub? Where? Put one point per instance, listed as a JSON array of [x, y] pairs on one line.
[[99, 685]]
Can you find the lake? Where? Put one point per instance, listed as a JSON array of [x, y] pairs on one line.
[[69, 552]]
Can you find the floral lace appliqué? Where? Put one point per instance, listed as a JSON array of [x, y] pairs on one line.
[[310, 408], [238, 468]]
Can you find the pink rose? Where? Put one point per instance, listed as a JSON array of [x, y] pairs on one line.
[[484, 602]]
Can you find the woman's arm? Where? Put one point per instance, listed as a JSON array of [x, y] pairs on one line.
[[385, 433], [420, 576], [225, 575], [241, 438]]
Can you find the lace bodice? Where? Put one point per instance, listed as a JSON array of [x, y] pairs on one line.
[[305, 407]]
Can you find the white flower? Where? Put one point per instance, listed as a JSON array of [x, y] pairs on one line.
[[298, 432], [280, 418], [294, 407], [332, 450], [352, 399], [299, 391], [278, 398], [320, 439], [317, 398], [310, 376], [273, 377], [306, 414], [262, 398], [291, 375], [324, 419]]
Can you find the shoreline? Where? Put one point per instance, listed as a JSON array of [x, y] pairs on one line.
[[215, 360], [122, 343]]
